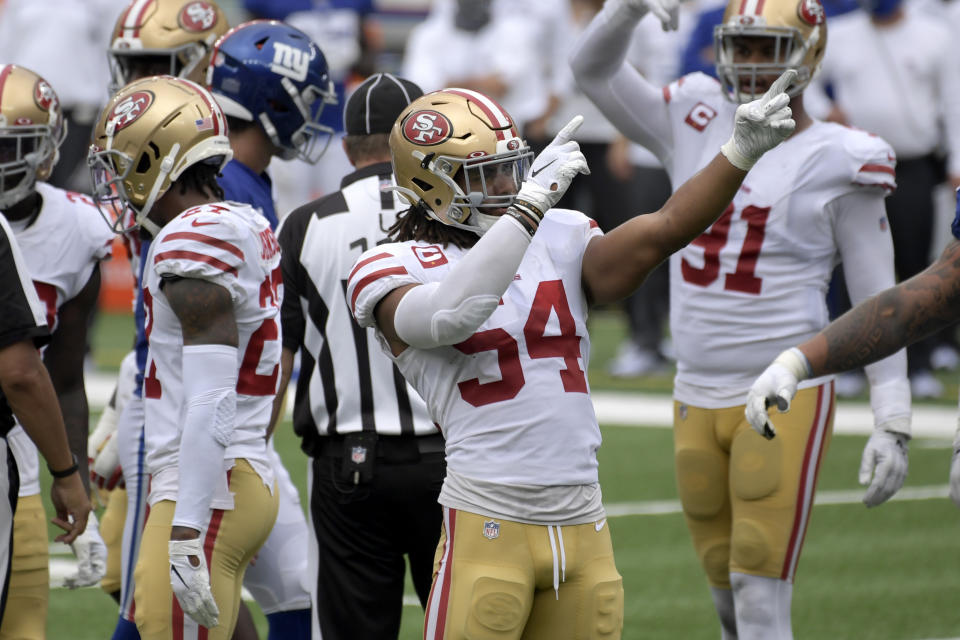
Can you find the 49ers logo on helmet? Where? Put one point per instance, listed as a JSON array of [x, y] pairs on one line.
[[129, 109], [197, 16], [811, 12], [427, 127], [44, 95]]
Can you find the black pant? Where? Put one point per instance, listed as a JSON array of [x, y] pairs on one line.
[[13, 490], [363, 532]]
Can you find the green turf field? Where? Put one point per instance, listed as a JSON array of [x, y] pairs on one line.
[[887, 573]]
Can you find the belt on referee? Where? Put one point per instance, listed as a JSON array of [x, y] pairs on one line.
[[388, 446]]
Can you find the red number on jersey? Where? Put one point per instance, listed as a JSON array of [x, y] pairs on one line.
[[713, 241], [48, 296], [550, 296], [151, 383], [249, 382], [73, 196]]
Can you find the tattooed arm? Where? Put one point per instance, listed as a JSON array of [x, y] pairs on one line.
[[890, 320]]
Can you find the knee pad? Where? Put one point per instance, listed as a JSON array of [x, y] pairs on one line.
[[715, 558], [498, 608], [755, 465], [750, 546], [701, 482], [606, 615]]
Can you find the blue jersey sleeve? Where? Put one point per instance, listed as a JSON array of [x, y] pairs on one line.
[[955, 227]]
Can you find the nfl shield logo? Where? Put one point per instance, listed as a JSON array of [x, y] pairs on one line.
[[358, 455], [491, 529]]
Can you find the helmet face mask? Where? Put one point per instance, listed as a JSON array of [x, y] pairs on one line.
[[147, 135], [456, 153], [31, 131], [792, 34], [292, 80], [164, 37]]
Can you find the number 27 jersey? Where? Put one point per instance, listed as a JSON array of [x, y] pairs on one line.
[[512, 400], [228, 244]]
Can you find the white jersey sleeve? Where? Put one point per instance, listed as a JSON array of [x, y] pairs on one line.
[[384, 268], [189, 247]]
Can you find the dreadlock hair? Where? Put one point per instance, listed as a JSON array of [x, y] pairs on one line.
[[416, 224], [201, 177]]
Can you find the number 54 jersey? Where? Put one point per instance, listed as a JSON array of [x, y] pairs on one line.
[[229, 244], [755, 282], [512, 400]]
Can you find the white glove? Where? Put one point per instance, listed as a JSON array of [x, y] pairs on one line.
[[667, 11], [552, 172], [776, 385], [91, 555], [955, 470], [885, 458], [102, 451], [761, 125], [191, 583]]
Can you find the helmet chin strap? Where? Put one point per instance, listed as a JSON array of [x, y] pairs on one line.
[[165, 168]]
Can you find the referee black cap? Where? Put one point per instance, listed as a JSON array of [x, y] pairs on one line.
[[377, 102]]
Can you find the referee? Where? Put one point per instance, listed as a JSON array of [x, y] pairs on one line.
[[376, 458], [26, 390]]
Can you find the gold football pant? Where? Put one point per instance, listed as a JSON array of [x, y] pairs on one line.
[[25, 617], [747, 500], [495, 579], [231, 539]]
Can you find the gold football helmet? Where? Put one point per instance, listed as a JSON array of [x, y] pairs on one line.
[[797, 30], [31, 131], [154, 37], [148, 134], [456, 152]]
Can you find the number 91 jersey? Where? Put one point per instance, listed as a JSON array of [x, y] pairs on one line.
[[229, 244], [512, 400], [755, 282]]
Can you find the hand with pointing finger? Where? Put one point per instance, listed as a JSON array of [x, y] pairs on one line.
[[761, 125]]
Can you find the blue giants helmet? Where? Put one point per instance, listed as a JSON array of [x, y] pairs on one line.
[[268, 72]]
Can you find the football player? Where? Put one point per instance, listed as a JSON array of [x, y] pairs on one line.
[[752, 286], [872, 330], [211, 296], [63, 242], [150, 36], [482, 301], [280, 118]]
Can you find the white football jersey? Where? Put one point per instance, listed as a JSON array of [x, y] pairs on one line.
[[229, 244], [61, 247], [512, 400], [754, 284]]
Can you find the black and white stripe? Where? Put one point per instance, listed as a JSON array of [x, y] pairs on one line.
[[347, 383]]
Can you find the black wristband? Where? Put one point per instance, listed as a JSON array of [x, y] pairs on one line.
[[69, 471], [529, 208], [524, 220]]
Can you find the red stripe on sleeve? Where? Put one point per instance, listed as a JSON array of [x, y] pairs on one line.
[[196, 257], [205, 239], [666, 94], [363, 263], [370, 279], [882, 168]]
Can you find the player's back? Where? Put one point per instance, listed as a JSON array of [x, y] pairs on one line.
[[355, 381], [231, 245]]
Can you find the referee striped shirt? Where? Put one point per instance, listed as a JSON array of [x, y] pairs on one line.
[[347, 383]]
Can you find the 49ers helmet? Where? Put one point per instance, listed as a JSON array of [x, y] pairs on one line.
[[446, 147], [798, 29], [148, 134], [176, 35], [31, 130]]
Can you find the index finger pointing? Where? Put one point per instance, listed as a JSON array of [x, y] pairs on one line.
[[569, 129], [781, 84]]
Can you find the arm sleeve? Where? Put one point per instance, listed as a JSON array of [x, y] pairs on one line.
[[866, 248], [631, 103]]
